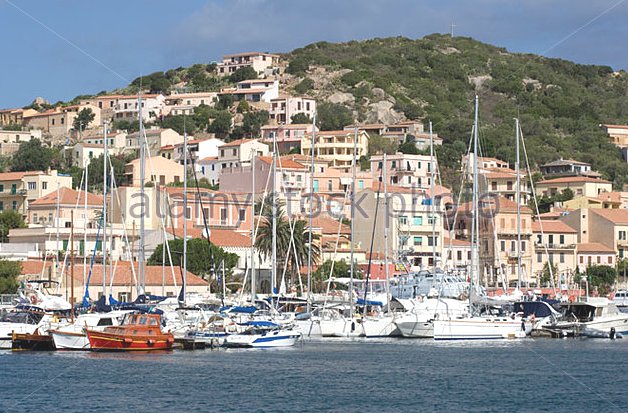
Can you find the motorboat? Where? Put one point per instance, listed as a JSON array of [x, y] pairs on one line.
[[74, 337], [263, 334], [23, 319], [590, 314], [419, 321], [137, 332]]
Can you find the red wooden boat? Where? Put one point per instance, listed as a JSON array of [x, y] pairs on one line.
[[138, 332]]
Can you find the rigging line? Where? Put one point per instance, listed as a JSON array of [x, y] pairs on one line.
[[536, 210], [67, 252], [66, 40], [584, 26], [368, 269]]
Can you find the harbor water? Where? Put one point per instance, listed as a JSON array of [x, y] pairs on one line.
[[531, 375]]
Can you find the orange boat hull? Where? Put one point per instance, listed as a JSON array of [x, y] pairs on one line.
[[102, 341]]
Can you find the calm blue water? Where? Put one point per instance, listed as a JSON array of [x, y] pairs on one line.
[[339, 376]]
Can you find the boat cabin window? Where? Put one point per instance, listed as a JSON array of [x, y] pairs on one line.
[[105, 322], [153, 322], [143, 321]]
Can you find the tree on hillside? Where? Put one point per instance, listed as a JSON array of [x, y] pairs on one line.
[[253, 121], [179, 123], [9, 271], [10, 219], [408, 147], [155, 82], [332, 116], [31, 156], [300, 118], [96, 170], [243, 73], [83, 119], [378, 145], [221, 125], [201, 257]]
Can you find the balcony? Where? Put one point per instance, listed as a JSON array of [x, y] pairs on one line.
[[555, 246]]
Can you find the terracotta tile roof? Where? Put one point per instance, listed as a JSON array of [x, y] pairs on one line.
[[282, 163], [552, 226], [455, 243], [593, 247], [304, 159], [236, 143], [32, 267], [614, 197], [123, 275], [68, 196], [14, 176], [572, 179], [209, 158], [220, 237], [616, 216], [616, 126], [329, 225]]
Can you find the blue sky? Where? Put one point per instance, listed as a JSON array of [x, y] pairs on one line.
[[88, 46]]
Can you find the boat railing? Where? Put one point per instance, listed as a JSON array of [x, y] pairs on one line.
[[7, 299]]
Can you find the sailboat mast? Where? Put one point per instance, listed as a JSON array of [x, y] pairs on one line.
[[72, 262], [273, 280], [475, 237], [185, 210], [386, 230], [104, 214], [85, 226], [309, 250], [253, 281], [141, 254], [352, 268], [432, 166], [518, 197]]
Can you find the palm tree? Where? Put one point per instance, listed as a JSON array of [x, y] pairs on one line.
[[285, 250]]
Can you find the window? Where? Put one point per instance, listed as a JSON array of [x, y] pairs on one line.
[[622, 235], [513, 246], [581, 259], [1, 206], [419, 165], [14, 188], [459, 255], [50, 217], [550, 238], [432, 241], [539, 239], [610, 260], [523, 246], [234, 152], [1, 188], [509, 185], [562, 257], [403, 220], [539, 257], [361, 184], [188, 212], [417, 220], [494, 186], [432, 219], [562, 239], [14, 205], [222, 153], [242, 215], [418, 240], [34, 218], [502, 246], [599, 259], [394, 165], [223, 215], [379, 165], [32, 186], [329, 185], [429, 167]]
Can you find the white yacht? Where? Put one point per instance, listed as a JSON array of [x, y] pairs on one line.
[[419, 321], [592, 315], [480, 328], [23, 320]]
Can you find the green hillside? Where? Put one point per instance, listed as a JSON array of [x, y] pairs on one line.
[[560, 103]]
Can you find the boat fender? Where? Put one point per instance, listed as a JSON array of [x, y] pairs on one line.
[[611, 335], [127, 341]]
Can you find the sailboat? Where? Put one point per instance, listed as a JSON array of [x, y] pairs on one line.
[[475, 326]]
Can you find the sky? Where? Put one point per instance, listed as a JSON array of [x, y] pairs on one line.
[[63, 48]]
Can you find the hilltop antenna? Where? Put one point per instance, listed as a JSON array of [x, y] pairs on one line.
[[451, 29]]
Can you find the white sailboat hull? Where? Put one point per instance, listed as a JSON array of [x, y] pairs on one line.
[[379, 327], [308, 328], [478, 328], [416, 328]]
